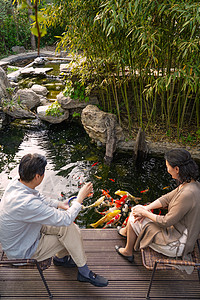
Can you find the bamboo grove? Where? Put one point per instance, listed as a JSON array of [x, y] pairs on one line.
[[143, 56]]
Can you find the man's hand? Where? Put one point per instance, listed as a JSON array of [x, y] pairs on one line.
[[84, 192]]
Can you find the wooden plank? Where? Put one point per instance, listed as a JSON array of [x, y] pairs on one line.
[[126, 281]]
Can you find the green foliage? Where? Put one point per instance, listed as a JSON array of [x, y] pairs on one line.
[[13, 27], [54, 110], [75, 115], [12, 69], [198, 134], [10, 90], [75, 91]]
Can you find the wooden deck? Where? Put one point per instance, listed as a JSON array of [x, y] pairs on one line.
[[126, 280]]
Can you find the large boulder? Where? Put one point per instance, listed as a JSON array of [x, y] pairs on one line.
[[17, 111], [96, 121], [68, 103], [103, 127], [18, 49], [21, 104], [5, 87], [27, 98], [39, 89], [53, 119]]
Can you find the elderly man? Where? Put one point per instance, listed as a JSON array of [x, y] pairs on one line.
[[32, 226]]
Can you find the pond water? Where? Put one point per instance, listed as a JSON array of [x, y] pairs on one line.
[[73, 160]]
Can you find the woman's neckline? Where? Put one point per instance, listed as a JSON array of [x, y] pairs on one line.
[[185, 184]]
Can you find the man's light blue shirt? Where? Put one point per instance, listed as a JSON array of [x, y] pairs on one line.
[[23, 211]]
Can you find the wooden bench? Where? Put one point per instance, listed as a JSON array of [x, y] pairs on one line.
[[153, 260]]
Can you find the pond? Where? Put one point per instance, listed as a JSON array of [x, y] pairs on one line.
[[73, 160]]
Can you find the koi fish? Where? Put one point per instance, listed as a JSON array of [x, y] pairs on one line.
[[123, 193], [106, 193], [125, 222], [166, 187], [121, 201], [111, 179], [96, 203], [144, 191], [90, 194], [106, 211], [113, 221], [94, 164], [98, 177], [106, 218]]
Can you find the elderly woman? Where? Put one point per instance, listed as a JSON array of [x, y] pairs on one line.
[[175, 233]]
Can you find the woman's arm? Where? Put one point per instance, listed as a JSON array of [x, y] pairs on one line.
[[155, 204]]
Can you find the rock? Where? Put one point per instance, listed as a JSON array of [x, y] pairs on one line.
[[19, 106], [44, 100], [39, 89], [27, 97], [94, 121], [103, 127], [18, 49], [141, 149], [35, 71], [65, 68], [4, 119], [68, 103], [40, 60], [4, 87], [17, 111], [41, 112]]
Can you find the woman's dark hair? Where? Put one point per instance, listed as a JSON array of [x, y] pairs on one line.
[[30, 165], [181, 158]]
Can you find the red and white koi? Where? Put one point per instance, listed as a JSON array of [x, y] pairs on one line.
[[106, 193], [125, 222], [131, 197], [121, 202], [113, 221], [106, 218]]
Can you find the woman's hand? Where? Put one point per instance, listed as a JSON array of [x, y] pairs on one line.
[[138, 212]]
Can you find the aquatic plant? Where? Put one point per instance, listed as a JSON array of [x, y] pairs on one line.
[[54, 110]]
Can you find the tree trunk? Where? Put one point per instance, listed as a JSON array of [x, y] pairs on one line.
[[33, 41]]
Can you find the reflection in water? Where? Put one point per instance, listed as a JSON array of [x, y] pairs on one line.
[[71, 162]]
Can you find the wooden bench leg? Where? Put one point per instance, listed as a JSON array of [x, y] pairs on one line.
[[151, 280], [44, 280]]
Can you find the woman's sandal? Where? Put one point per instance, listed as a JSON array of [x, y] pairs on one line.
[[118, 231], [129, 258]]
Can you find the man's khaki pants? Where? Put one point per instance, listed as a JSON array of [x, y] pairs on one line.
[[61, 241]]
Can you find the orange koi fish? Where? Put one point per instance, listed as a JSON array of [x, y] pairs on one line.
[[113, 221], [166, 187], [98, 177], [96, 203], [106, 218]]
